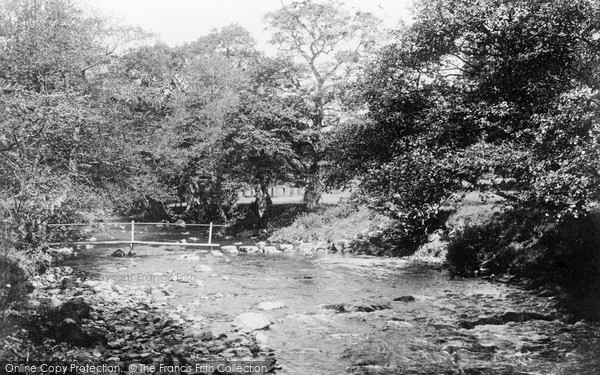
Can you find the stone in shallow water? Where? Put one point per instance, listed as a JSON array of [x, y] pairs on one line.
[[198, 333], [266, 305], [229, 249], [261, 245], [405, 299], [189, 257], [509, 316], [252, 321], [248, 249], [286, 247], [306, 247], [261, 337], [202, 268], [270, 249]]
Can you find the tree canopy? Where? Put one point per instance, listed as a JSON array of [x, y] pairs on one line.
[[494, 96]]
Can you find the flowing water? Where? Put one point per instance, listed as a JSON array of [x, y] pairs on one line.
[[340, 315]]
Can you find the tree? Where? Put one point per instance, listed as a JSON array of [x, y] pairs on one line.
[[60, 151], [260, 141], [328, 40], [495, 96]]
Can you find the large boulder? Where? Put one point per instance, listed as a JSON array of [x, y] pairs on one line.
[[75, 308]]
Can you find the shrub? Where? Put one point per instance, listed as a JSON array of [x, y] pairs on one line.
[[527, 244]]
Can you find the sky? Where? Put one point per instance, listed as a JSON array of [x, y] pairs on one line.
[[180, 21]]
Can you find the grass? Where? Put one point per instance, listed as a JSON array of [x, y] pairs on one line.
[[330, 223]]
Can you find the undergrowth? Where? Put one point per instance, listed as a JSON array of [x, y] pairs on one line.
[[538, 249]]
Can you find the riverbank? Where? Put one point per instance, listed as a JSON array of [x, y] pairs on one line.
[[71, 318]]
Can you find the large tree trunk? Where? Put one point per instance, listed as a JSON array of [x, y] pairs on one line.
[[262, 200], [314, 187]]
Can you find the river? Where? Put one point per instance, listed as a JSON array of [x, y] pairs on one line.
[[358, 315]]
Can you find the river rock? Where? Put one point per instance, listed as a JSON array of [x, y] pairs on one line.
[[286, 247], [261, 337], [118, 253], [117, 344], [261, 245], [509, 316], [61, 253], [405, 299], [198, 333], [54, 302], [248, 249], [321, 245], [229, 249], [341, 244], [76, 308], [306, 247], [252, 321], [189, 257], [266, 305], [270, 249], [202, 268], [367, 308]]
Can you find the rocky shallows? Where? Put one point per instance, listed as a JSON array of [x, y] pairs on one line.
[[70, 319], [323, 314]]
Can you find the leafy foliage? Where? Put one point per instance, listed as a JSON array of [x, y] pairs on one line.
[[328, 41], [495, 96]]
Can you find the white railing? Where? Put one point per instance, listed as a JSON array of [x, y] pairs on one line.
[[133, 241]]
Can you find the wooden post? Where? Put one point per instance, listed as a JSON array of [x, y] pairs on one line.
[[210, 233], [132, 237]]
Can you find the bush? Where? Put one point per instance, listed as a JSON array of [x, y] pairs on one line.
[[527, 244], [15, 269]]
